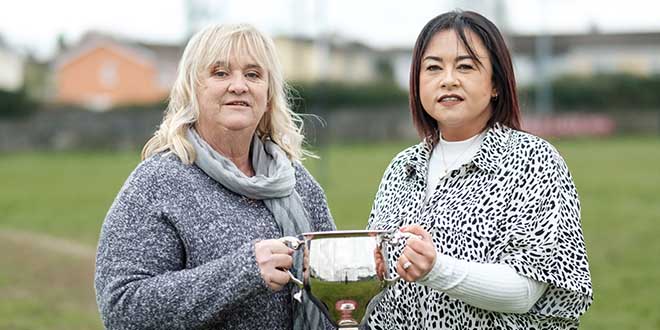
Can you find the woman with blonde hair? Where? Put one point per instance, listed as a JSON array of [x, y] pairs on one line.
[[190, 242]]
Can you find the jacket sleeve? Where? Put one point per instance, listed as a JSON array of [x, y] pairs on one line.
[[141, 278], [546, 242]]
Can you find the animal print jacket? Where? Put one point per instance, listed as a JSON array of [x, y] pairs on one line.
[[514, 203]]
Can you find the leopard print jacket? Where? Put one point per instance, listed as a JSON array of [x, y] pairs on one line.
[[515, 203]]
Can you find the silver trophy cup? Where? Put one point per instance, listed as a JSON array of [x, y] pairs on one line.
[[341, 275]]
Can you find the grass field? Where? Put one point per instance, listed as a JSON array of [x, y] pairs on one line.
[[63, 197]]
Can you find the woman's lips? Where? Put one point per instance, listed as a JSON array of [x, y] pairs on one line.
[[449, 100]]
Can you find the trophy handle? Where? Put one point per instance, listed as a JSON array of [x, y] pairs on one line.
[[395, 238], [389, 281], [296, 281], [293, 243]]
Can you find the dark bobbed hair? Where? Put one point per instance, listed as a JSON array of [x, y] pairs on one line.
[[505, 106]]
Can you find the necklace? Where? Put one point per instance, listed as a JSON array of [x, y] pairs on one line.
[[444, 159]]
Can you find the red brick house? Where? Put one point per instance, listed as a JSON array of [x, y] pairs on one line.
[[101, 72]]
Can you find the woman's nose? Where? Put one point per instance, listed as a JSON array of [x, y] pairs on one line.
[[449, 79], [238, 85]]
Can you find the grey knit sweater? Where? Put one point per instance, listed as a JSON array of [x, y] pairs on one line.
[[177, 252]]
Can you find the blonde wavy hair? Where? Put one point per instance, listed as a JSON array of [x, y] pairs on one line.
[[208, 46]]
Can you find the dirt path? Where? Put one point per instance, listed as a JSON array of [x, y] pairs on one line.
[[49, 243]]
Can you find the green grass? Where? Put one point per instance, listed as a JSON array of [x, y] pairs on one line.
[[61, 194], [350, 175], [42, 290], [67, 195], [619, 185]]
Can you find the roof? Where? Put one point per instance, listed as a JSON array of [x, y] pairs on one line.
[[563, 42], [149, 53], [336, 42]]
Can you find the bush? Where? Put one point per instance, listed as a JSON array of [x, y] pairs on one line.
[[151, 106], [602, 92], [15, 104], [305, 97]]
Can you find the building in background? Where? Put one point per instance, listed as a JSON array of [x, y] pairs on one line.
[[12, 68], [571, 54], [305, 60], [589, 54], [101, 72]]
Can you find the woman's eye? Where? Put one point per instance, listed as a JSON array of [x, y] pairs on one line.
[[465, 67], [433, 68], [220, 73], [253, 75]]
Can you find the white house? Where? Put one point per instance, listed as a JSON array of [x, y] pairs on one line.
[[12, 68]]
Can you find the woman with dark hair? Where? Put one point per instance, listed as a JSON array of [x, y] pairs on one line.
[[496, 210]]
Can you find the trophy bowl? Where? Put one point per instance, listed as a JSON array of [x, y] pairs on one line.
[[341, 276]]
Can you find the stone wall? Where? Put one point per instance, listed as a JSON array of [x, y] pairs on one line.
[[121, 130], [65, 130]]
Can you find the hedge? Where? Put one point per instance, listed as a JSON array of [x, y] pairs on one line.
[[15, 103], [602, 92], [306, 97]]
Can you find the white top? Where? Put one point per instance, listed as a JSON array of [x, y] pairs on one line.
[[495, 287], [455, 154]]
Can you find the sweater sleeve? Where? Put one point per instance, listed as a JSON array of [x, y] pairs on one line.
[[493, 287], [141, 278]]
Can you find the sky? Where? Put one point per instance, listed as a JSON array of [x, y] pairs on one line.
[[34, 25]]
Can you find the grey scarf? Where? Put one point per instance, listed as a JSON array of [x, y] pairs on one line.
[[273, 182]]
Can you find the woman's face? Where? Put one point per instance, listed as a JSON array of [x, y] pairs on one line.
[[454, 89], [233, 96]]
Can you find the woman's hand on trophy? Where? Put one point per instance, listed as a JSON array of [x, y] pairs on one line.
[[418, 256], [274, 259], [380, 263]]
